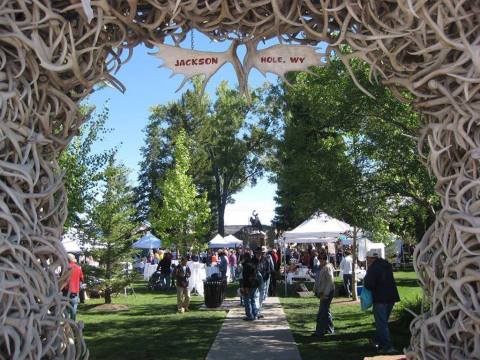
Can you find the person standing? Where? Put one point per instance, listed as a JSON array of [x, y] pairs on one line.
[[73, 289], [324, 289], [182, 275], [346, 266], [272, 291], [165, 270], [251, 281], [380, 281], [264, 266], [232, 260], [223, 264]]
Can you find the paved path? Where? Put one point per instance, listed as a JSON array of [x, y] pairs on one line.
[[265, 339]]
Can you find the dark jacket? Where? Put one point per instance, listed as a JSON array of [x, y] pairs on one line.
[[223, 266], [181, 276], [249, 274], [164, 266], [379, 280], [264, 267]]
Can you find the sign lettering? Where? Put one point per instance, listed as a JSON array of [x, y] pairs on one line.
[[277, 59]]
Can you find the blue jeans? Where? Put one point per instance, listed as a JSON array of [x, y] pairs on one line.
[[324, 316], [381, 313], [263, 292], [233, 273], [251, 303], [73, 309]]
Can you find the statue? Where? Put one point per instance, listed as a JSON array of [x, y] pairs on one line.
[[255, 221]]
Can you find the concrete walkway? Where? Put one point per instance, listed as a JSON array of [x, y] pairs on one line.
[[268, 338]]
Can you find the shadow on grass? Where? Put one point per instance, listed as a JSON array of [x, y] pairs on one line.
[[150, 329], [187, 338], [407, 282]]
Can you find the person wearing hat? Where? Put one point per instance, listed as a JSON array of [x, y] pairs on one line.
[[250, 283], [380, 281], [264, 266], [73, 288]]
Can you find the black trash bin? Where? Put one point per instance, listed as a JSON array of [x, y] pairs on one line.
[[214, 289]]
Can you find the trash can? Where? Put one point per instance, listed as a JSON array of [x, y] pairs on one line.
[[214, 289]]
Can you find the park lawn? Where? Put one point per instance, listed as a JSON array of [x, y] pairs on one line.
[[150, 329], [353, 327]]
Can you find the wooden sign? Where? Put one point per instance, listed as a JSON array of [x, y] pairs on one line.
[[281, 59], [277, 59]]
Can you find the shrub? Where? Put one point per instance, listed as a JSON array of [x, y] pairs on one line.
[[408, 308]]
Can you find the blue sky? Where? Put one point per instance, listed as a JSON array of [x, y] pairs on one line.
[[149, 85]]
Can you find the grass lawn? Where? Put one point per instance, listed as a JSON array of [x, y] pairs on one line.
[[353, 327], [151, 329]]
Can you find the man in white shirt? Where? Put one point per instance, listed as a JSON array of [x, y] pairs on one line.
[[346, 267]]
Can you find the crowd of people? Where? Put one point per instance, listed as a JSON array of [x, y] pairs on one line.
[[257, 272], [259, 269]]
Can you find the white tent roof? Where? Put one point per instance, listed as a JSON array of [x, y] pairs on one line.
[[71, 246], [216, 239], [148, 241], [229, 241], [319, 228], [72, 243], [232, 239]]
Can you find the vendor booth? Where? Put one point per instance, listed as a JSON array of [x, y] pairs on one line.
[[318, 229], [219, 242], [148, 241]]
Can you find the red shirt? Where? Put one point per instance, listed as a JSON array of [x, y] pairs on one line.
[[275, 258], [76, 276]]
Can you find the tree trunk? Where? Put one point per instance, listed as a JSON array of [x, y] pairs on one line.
[[108, 276], [221, 217], [354, 263], [220, 203]]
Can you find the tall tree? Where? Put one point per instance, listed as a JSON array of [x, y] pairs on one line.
[[83, 166], [153, 166], [230, 139], [112, 226], [183, 216], [350, 155]]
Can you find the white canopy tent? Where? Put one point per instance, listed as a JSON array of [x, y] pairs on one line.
[[318, 228], [148, 241], [229, 241], [70, 245]]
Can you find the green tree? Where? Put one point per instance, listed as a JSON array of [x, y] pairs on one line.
[[230, 140], [153, 166], [82, 166], [350, 155], [183, 217], [112, 227]]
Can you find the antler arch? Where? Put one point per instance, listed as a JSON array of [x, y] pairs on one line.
[[52, 54]]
